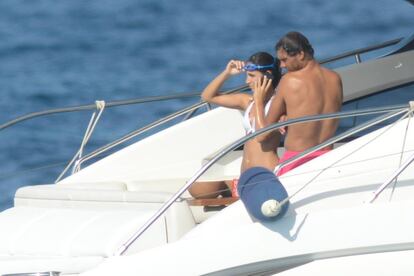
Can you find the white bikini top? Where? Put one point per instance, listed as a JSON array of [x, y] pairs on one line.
[[249, 125]]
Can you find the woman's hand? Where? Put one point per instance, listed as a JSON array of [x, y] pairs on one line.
[[234, 67], [260, 88]]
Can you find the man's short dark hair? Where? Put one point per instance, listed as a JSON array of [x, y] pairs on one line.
[[294, 43]]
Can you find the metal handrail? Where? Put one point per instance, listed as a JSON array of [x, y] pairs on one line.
[[356, 52], [360, 51], [398, 109], [93, 106], [178, 96], [188, 110], [339, 137]]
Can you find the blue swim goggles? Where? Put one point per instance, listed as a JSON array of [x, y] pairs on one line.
[[255, 67]]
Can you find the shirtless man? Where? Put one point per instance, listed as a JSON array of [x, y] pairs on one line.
[[306, 89]]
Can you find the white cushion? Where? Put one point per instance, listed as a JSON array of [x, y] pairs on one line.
[[27, 264], [102, 185], [66, 192], [66, 232]]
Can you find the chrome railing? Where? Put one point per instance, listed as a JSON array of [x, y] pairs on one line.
[[188, 111], [347, 133], [393, 111], [191, 110], [358, 52], [32, 115], [93, 107]]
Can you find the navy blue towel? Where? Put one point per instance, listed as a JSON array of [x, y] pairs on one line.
[[260, 189]]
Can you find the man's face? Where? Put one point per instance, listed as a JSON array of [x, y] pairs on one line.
[[291, 63]]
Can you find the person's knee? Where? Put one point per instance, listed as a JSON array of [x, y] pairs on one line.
[[206, 189]]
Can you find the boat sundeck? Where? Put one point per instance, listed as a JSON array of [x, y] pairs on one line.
[[129, 213]]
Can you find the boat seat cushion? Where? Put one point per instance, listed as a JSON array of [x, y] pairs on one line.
[[27, 264], [154, 185], [86, 193], [73, 232], [102, 185]]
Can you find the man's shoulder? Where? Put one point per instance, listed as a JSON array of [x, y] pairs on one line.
[[292, 79], [331, 73], [289, 83]]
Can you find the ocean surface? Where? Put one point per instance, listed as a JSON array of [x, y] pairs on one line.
[[57, 54]]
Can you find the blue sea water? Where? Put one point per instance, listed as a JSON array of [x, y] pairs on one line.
[[66, 53]]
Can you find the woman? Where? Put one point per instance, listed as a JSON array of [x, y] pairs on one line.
[[259, 66]]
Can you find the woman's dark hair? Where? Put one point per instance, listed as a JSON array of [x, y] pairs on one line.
[[294, 43], [263, 58]]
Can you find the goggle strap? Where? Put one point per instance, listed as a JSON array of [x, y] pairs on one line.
[[254, 67]]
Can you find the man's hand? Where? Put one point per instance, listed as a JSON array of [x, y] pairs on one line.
[[283, 118]]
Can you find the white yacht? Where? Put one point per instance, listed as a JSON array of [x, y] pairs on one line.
[[350, 211]]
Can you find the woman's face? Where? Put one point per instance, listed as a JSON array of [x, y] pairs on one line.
[[252, 76]]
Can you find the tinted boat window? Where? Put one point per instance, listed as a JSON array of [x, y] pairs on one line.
[[395, 96]]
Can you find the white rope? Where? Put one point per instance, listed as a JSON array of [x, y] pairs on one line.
[[402, 149], [100, 106], [86, 135], [410, 115]]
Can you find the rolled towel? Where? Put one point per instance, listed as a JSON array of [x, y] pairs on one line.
[[262, 194]]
